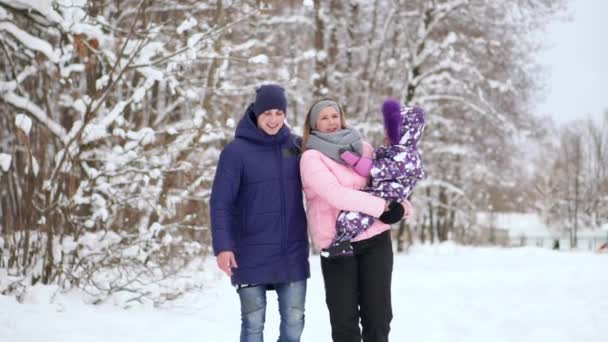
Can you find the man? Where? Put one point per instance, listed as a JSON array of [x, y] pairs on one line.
[[258, 221]]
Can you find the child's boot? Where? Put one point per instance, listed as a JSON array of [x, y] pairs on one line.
[[339, 250]]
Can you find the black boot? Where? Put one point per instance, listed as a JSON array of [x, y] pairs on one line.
[[339, 250]]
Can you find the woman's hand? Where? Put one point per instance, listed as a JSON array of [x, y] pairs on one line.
[[226, 262], [409, 210]]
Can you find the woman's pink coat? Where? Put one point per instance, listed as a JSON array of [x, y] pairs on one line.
[[331, 187]]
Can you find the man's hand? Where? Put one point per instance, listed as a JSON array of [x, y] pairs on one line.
[[226, 262]]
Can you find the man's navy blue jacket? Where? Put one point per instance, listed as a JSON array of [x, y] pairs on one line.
[[257, 206]]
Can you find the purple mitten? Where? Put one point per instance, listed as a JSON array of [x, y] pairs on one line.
[[362, 165]]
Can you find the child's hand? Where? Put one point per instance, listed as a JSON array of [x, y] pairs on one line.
[[362, 165], [351, 158], [393, 214]]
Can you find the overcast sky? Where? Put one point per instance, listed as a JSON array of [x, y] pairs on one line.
[[577, 63]]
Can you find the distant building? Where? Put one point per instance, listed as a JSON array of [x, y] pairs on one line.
[[495, 236], [525, 229]]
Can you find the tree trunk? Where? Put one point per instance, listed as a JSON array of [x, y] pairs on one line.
[[320, 88]]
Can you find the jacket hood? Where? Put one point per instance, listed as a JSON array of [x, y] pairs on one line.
[[247, 129]]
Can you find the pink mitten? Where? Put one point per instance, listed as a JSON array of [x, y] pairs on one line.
[[361, 164], [349, 157], [364, 166]]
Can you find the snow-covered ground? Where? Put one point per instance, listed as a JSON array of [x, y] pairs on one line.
[[440, 293]]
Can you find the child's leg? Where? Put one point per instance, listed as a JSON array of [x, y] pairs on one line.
[[351, 224], [390, 190], [348, 225]]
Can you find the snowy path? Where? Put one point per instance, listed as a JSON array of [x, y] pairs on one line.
[[444, 293]]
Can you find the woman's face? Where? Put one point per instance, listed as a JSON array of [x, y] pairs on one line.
[[329, 120], [271, 121]]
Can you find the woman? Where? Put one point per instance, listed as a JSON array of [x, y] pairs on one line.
[[258, 222], [356, 287]]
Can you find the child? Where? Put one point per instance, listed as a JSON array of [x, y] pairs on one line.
[[396, 168]]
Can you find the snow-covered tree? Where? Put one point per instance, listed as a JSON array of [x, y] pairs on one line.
[[114, 113], [107, 135], [573, 186]]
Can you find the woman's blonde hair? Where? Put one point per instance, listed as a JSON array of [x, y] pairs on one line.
[[307, 129]]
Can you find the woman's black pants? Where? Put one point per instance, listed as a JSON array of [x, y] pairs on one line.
[[359, 287]]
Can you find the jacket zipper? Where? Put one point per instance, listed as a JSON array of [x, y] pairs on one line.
[[283, 209]]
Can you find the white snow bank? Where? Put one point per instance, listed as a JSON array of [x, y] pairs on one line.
[[440, 293]]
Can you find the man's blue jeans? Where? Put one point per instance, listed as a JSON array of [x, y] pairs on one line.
[[291, 308]]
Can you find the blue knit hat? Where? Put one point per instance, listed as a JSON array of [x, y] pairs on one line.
[[269, 96]]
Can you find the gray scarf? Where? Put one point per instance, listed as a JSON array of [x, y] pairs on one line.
[[331, 144]]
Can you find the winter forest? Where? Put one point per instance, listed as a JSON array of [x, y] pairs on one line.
[[113, 114]]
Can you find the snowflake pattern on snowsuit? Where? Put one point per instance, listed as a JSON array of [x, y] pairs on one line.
[[395, 171]]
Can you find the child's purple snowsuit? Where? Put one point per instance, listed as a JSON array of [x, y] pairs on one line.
[[395, 171]]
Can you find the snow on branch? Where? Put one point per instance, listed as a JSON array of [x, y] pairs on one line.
[[442, 11], [5, 161], [194, 41], [12, 85], [31, 42], [433, 72], [37, 112], [484, 110], [501, 86], [457, 98], [98, 129], [443, 184], [453, 149], [24, 123], [39, 10], [448, 7], [432, 48]]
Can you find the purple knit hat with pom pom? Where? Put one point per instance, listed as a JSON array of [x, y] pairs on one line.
[[391, 110]]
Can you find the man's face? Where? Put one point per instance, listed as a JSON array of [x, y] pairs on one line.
[[271, 121]]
